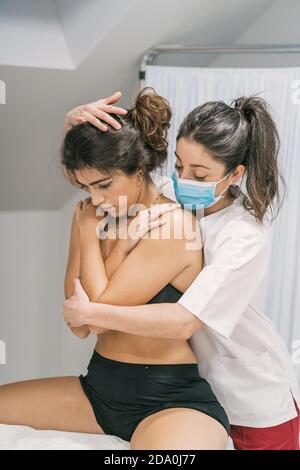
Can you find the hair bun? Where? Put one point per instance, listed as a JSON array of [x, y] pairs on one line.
[[151, 116]]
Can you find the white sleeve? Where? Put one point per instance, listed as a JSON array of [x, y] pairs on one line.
[[224, 288]]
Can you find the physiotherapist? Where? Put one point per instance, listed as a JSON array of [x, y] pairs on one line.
[[240, 353]]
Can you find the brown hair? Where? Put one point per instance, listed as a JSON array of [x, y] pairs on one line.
[[141, 143], [243, 134]]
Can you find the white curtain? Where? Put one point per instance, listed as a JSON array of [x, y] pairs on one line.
[[186, 88]]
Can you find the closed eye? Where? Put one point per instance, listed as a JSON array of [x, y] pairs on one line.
[[104, 186], [197, 178]]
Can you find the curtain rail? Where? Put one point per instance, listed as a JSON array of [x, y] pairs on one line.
[[153, 53]]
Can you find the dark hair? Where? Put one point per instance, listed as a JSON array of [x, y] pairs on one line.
[[244, 134], [141, 143]]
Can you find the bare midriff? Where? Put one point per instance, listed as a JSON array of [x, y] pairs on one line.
[[125, 347]]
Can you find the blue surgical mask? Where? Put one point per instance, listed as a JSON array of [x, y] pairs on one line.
[[195, 194]]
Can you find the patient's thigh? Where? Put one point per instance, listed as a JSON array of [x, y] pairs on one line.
[[180, 429], [54, 403]]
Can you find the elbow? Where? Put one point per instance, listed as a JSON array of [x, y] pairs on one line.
[[191, 324], [81, 333]]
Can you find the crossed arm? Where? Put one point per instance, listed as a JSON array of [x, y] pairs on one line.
[[82, 265], [133, 280]]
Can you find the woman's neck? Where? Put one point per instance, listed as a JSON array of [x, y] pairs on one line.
[[149, 194]]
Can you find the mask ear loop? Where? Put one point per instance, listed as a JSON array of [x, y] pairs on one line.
[[235, 188], [228, 187]]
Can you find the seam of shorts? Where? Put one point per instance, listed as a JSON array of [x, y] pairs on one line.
[[91, 401], [183, 405]]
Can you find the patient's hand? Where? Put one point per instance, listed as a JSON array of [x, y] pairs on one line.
[[75, 306], [86, 216]]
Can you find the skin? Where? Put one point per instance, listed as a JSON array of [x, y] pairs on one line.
[[66, 405], [163, 320], [60, 403], [154, 432], [129, 285]]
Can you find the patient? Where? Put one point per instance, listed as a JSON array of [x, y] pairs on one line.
[[145, 390]]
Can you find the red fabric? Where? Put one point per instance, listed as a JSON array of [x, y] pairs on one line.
[[282, 437]]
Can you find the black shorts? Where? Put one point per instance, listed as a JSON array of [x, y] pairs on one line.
[[123, 394]]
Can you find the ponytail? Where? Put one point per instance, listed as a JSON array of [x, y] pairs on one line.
[[261, 159]]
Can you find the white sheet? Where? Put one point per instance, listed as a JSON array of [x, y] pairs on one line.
[[25, 438]]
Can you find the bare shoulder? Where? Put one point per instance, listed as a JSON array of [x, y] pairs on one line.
[[185, 242], [183, 222], [180, 235]]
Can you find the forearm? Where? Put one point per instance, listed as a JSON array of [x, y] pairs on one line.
[[72, 271], [112, 262], [93, 275], [169, 321], [115, 258], [73, 264]]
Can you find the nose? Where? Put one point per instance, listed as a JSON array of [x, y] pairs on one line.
[[185, 174], [96, 201]]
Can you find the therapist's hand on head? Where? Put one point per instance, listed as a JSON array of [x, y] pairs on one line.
[[96, 113]]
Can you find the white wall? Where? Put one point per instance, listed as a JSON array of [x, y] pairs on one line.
[[29, 301], [33, 254]]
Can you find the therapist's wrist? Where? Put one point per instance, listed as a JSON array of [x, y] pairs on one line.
[[92, 313]]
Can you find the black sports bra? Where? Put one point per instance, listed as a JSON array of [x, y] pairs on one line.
[[168, 294]]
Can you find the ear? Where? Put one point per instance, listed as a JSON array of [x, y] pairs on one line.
[[238, 173]]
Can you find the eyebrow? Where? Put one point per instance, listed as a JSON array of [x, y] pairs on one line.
[[194, 165], [94, 182]]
